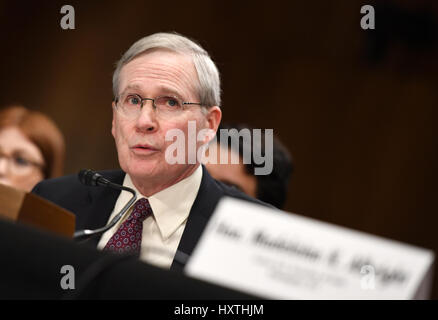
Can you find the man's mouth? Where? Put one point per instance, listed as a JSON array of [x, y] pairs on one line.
[[144, 148]]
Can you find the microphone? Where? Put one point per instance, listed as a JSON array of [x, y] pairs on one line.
[[92, 178]]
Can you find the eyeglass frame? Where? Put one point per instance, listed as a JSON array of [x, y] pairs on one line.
[[117, 99], [31, 163]]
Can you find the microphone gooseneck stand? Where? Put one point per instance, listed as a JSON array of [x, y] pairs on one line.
[[91, 178]]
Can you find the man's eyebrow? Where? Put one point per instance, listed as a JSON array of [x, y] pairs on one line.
[[166, 90], [163, 89]]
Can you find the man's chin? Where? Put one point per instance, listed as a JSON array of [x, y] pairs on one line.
[[149, 170]]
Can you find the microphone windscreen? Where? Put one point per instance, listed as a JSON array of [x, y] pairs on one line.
[[86, 177]]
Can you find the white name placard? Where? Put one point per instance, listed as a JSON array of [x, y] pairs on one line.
[[277, 255]]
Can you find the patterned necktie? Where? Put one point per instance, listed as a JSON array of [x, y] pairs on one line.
[[127, 239]]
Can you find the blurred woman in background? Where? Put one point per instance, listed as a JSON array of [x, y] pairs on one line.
[[32, 148]]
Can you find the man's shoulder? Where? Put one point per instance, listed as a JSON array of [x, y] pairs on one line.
[[236, 193], [70, 184], [214, 190]]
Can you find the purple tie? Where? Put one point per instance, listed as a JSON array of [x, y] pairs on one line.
[[127, 239]]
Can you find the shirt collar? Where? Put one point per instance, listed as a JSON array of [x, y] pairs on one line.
[[170, 206]]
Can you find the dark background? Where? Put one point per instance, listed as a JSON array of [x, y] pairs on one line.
[[356, 107]]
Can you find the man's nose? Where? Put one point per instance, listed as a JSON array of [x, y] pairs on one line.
[[147, 119]]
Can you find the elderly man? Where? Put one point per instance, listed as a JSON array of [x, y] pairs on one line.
[[163, 82]]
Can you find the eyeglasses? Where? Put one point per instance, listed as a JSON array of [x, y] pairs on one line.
[[130, 105], [20, 165]]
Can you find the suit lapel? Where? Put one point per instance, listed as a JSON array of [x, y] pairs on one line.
[[208, 196]]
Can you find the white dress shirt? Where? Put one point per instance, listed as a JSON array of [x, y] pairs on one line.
[[162, 231]]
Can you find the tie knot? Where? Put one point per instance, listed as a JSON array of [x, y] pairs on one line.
[[140, 211]]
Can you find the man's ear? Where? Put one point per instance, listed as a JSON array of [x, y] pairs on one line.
[[113, 130], [213, 119], [214, 116]]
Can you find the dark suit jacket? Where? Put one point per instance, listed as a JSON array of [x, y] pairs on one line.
[[93, 205]]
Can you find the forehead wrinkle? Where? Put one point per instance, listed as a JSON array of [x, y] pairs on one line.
[[168, 74], [173, 78], [161, 88]]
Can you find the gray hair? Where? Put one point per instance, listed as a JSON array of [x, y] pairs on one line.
[[208, 86]]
